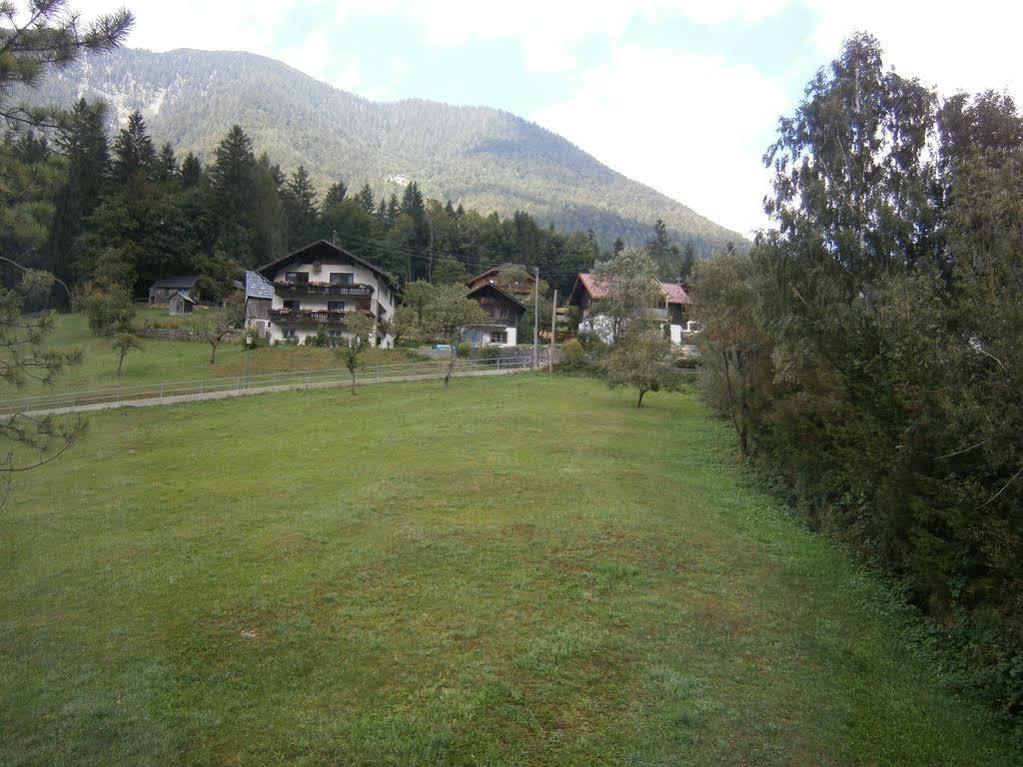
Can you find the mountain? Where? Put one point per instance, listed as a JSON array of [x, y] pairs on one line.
[[485, 158]]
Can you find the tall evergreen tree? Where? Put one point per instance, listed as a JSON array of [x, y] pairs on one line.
[[166, 164], [83, 140], [300, 215], [335, 195], [366, 199], [232, 180], [191, 171], [134, 152]]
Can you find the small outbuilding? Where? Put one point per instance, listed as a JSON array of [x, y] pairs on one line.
[[161, 291], [181, 303]]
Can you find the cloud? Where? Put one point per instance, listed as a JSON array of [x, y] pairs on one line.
[[956, 46], [689, 125], [161, 25], [546, 31]]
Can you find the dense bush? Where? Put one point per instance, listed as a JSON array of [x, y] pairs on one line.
[[463, 349], [867, 351], [110, 310]]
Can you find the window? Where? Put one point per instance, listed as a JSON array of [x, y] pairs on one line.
[[335, 306], [341, 278], [498, 336], [289, 333], [300, 277], [292, 305], [335, 336]]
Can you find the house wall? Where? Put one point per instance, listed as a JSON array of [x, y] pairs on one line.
[[381, 303], [478, 336]]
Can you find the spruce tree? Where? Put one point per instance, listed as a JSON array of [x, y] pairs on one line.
[[191, 171], [166, 164], [366, 199], [84, 143], [232, 182], [134, 152], [300, 215], [335, 195]]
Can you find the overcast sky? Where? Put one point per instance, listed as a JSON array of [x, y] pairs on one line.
[[683, 95]]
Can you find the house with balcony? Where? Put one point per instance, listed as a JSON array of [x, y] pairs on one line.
[[672, 309], [318, 285]]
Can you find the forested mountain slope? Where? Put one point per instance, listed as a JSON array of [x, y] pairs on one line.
[[485, 158]]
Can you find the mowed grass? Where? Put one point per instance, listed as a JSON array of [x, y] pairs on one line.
[[515, 571], [172, 361]]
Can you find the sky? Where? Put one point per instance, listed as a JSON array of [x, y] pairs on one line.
[[682, 95]]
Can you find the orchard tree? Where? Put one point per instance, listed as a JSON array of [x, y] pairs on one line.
[[359, 329], [214, 325], [641, 359], [445, 316], [125, 343], [630, 285]]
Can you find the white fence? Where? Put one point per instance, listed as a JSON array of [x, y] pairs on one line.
[[412, 370]]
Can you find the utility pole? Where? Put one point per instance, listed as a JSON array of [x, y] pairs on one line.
[[554, 324], [536, 314]]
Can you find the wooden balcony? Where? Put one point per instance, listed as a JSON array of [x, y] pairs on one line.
[[322, 289], [312, 316]]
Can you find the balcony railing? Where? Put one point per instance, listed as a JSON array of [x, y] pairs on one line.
[[319, 316], [284, 288]]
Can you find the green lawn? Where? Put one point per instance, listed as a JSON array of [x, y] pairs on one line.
[[165, 361], [525, 570]]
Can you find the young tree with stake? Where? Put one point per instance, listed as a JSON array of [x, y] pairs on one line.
[[360, 329], [124, 344]]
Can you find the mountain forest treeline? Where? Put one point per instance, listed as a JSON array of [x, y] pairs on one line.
[[125, 212], [868, 352]]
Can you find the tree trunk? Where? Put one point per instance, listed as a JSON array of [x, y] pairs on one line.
[[120, 364], [352, 371], [639, 402], [213, 354], [451, 365]]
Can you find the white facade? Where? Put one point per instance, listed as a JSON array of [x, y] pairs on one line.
[[318, 293], [491, 335]]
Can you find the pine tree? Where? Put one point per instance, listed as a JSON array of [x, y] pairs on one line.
[[393, 210], [134, 152]]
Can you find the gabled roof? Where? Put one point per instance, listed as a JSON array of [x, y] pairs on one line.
[[491, 287], [185, 296], [675, 293], [590, 284], [183, 281], [321, 250], [671, 292], [258, 286], [494, 271]]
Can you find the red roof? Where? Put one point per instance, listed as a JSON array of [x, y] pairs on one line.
[[593, 286], [672, 292]]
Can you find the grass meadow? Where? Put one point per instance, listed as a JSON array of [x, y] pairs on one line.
[[525, 570]]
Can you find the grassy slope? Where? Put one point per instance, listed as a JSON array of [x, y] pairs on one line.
[[513, 571], [162, 361]]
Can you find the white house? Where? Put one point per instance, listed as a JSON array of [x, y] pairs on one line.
[[671, 310], [319, 285]]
